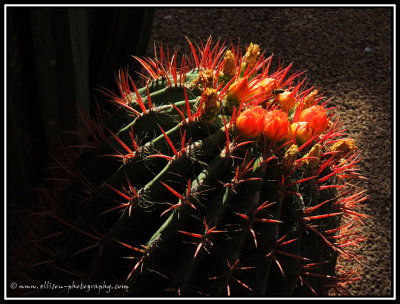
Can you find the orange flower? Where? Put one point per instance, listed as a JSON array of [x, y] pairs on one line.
[[302, 130], [265, 86], [286, 100], [316, 118], [237, 92], [289, 135], [250, 122], [275, 126]]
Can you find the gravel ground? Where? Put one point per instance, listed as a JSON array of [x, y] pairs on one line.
[[348, 52]]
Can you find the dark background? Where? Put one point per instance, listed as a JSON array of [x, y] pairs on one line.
[[57, 57]]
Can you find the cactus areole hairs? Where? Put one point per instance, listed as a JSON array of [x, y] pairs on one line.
[[211, 176]]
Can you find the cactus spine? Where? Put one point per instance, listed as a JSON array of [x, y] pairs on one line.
[[214, 178]]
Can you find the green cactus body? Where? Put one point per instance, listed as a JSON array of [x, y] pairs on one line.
[[178, 193]]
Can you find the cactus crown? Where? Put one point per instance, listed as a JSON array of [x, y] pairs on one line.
[[215, 177]]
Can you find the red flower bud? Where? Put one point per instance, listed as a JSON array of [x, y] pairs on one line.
[[265, 86], [302, 130], [286, 100], [250, 122], [276, 126], [238, 91], [316, 118]]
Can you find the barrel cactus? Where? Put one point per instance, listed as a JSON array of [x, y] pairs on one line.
[[214, 177]]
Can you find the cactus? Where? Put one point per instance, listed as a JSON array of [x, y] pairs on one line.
[[213, 178]]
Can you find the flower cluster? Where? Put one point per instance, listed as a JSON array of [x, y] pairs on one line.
[[254, 121], [271, 107], [275, 125]]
